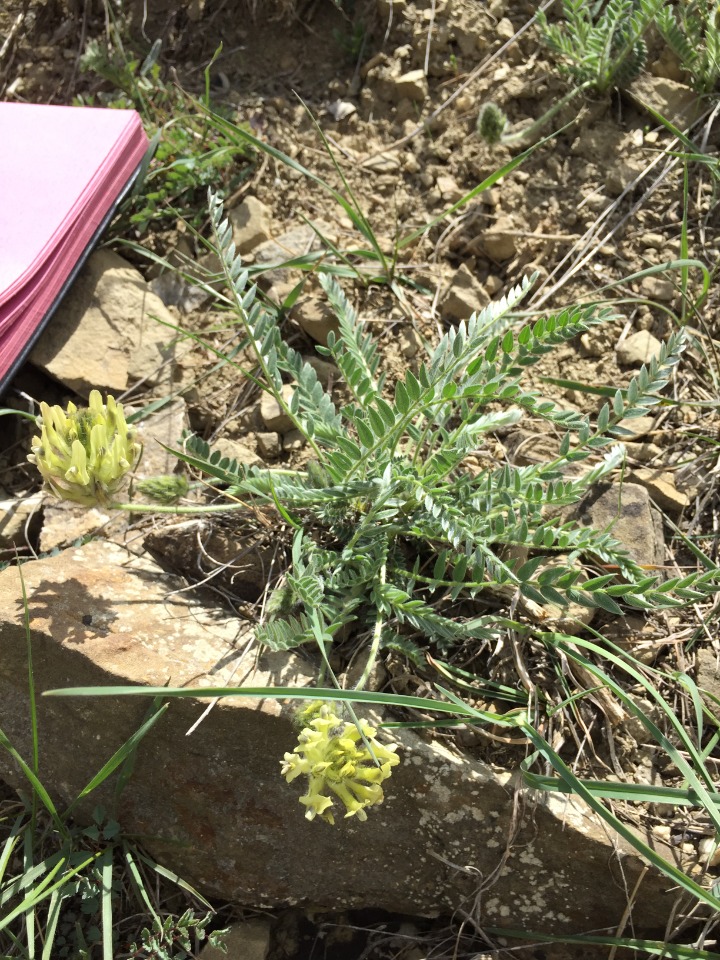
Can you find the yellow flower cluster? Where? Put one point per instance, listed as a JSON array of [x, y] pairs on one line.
[[332, 754], [83, 454]]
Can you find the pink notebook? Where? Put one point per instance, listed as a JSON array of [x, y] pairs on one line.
[[62, 172]]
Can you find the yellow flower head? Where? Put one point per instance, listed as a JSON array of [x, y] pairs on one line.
[[333, 755], [83, 454]]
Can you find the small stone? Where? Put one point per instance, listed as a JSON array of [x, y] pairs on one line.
[[268, 445], [637, 349], [493, 285], [412, 85], [621, 174], [175, 291], [498, 242], [637, 427], [293, 441], [504, 29], [273, 416], [410, 342], [653, 240], [383, 163], [316, 317], [656, 288], [105, 334], [661, 487], [410, 163], [464, 296], [295, 242], [248, 940], [159, 430], [642, 452], [675, 101], [234, 450], [251, 223], [709, 850], [591, 346], [448, 188]]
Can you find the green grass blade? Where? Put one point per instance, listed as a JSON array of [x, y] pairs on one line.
[[53, 915], [277, 693], [630, 792], [120, 756], [43, 890], [137, 881], [177, 880], [694, 772], [655, 948], [37, 787]]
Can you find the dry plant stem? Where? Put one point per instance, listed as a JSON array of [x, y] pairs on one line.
[[375, 645]]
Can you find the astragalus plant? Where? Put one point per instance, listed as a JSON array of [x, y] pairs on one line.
[[397, 533]]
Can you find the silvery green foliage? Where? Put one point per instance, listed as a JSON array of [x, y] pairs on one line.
[[394, 533], [601, 44], [693, 34]]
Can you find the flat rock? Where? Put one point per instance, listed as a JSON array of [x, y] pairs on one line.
[[660, 484], [175, 291], [636, 427], [105, 333], [161, 429], [675, 101], [623, 510], [274, 254], [268, 445], [68, 524], [212, 805]]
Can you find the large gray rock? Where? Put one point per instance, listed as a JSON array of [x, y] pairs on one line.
[[213, 806]]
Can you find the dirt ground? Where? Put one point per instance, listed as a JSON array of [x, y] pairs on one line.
[[598, 203]]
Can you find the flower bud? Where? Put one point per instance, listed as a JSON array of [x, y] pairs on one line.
[[166, 489], [84, 454], [491, 123]]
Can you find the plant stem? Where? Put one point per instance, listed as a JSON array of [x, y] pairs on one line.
[[375, 645], [180, 511]]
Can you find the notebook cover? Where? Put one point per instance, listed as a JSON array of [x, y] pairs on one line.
[[62, 172]]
